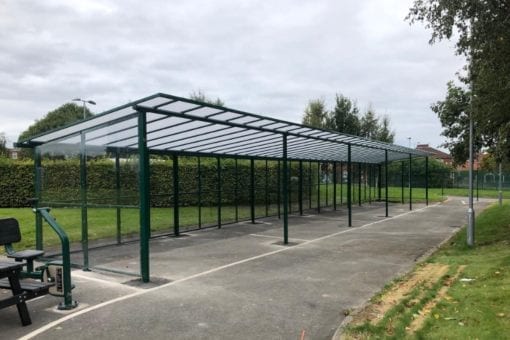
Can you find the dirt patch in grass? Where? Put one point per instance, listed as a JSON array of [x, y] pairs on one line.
[[419, 319], [427, 275]]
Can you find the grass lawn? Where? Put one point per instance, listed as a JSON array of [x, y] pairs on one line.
[[460, 293], [102, 222]]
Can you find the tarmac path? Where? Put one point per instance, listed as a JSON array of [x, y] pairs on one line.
[[239, 282]]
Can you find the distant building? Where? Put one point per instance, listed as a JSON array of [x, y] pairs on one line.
[[13, 153], [435, 153]]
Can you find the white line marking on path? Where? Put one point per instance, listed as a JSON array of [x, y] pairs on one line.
[[279, 237], [106, 282], [207, 272]]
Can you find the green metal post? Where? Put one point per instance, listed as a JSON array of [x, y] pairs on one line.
[[379, 175], [266, 189], [370, 180], [68, 303], [318, 187], [402, 182], [334, 185], [327, 184], [386, 182], [236, 189], [144, 188], [359, 184], [365, 176], [349, 180], [285, 193], [410, 184], [310, 185], [289, 194], [199, 179], [37, 187], [300, 192], [83, 196], [279, 189], [218, 169], [341, 183], [426, 180], [252, 190], [175, 177], [117, 190]]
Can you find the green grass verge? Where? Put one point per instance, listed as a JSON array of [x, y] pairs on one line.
[[477, 309]]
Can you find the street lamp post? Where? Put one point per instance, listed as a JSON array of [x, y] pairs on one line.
[[84, 104], [471, 211]]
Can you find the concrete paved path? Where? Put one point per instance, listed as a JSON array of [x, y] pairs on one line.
[[239, 282]]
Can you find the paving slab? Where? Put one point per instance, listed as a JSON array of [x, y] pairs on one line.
[[239, 282]]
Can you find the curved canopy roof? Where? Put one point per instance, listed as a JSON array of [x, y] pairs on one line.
[[176, 124]]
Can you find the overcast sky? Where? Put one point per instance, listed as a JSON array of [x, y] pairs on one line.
[[265, 57]]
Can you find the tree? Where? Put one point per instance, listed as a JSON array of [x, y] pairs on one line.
[[384, 133], [64, 115], [369, 124], [482, 29], [454, 117], [344, 117], [316, 114], [200, 96], [3, 145]]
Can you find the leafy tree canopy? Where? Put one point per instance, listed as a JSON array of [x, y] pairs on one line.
[[344, 118], [3, 145], [64, 115], [316, 114], [200, 96], [482, 33]]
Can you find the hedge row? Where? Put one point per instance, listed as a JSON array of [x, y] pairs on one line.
[[61, 182]]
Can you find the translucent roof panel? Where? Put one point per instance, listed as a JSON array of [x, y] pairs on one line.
[[176, 124]]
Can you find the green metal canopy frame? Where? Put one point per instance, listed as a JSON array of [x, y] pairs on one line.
[[166, 124]]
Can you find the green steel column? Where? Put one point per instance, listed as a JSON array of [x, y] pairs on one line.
[[310, 185], [285, 193], [359, 184], [144, 188], [402, 182], [365, 179], [318, 187], [369, 181], [349, 180], [410, 184], [117, 196], [83, 194], [426, 181], [327, 184], [37, 189], [279, 189], [236, 189], [334, 185], [386, 181], [341, 183], [266, 189], [175, 177], [252, 190], [300, 192], [289, 194], [379, 175], [218, 169], [199, 179]]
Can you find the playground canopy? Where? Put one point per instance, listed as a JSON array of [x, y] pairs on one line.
[[164, 124]]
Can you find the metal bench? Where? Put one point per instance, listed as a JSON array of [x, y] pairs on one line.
[[10, 233]]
